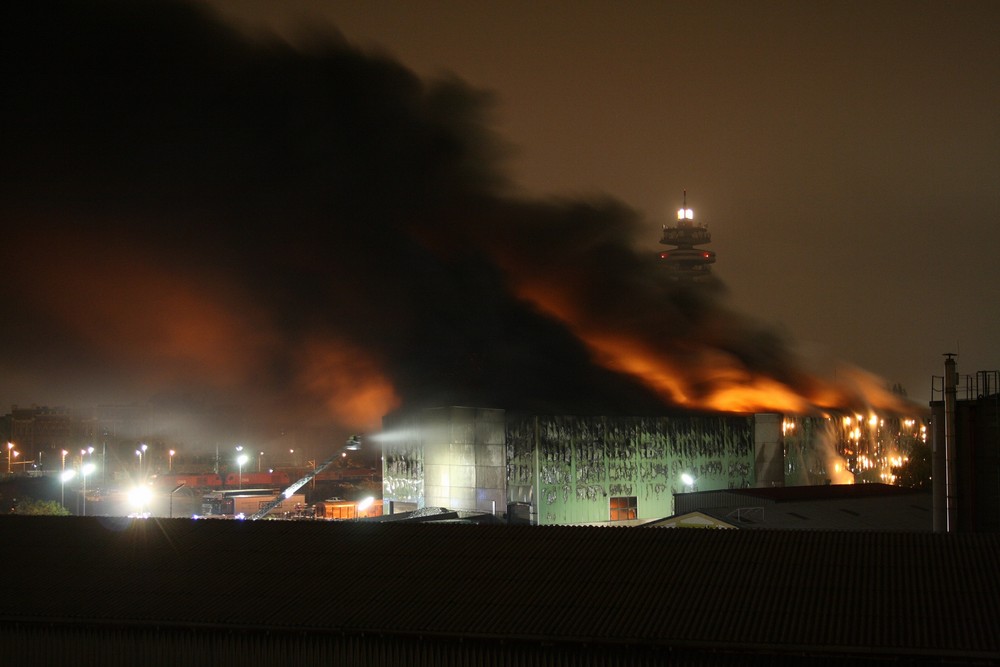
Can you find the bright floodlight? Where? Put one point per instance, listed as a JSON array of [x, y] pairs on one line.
[[67, 475], [87, 469], [687, 479], [685, 214], [242, 459], [140, 496], [365, 504]]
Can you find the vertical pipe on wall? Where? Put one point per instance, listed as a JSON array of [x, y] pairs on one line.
[[950, 391]]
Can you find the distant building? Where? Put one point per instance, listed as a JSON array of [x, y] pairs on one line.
[[686, 260], [43, 431], [574, 469], [880, 507], [966, 450], [449, 457], [559, 469]]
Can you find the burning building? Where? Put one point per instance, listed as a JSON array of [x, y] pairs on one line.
[[567, 469]]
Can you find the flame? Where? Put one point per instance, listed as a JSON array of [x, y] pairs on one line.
[[705, 378], [690, 370]]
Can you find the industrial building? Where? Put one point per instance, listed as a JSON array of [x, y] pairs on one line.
[[119, 592], [572, 469], [966, 450], [880, 507]]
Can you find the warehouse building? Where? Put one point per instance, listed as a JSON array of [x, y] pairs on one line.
[[119, 592], [570, 469]]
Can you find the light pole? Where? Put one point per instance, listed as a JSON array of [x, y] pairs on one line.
[[85, 470], [64, 453], [241, 459], [139, 452], [64, 477], [259, 457], [10, 454], [172, 498], [170, 461]]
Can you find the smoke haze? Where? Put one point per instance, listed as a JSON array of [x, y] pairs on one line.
[[318, 232]]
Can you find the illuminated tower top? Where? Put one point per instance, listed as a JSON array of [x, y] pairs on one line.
[[685, 261]]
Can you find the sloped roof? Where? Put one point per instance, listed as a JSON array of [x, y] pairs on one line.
[[770, 591], [832, 507], [909, 512]]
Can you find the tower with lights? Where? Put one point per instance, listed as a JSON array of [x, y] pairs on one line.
[[685, 260]]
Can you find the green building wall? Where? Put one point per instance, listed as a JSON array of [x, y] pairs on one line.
[[567, 469]]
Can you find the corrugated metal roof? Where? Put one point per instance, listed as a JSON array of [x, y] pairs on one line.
[[910, 512], [867, 593]]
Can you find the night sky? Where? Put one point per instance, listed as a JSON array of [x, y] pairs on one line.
[[334, 209]]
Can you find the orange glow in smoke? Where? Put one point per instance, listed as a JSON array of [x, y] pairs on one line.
[[348, 381], [139, 312], [721, 386], [176, 327], [695, 375]]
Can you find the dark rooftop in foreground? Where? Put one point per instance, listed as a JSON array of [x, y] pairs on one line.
[[499, 593], [878, 507]]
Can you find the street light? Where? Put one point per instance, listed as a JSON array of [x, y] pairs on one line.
[[64, 477], [64, 453], [174, 490], [170, 461], [85, 470], [241, 460], [10, 453], [259, 456]]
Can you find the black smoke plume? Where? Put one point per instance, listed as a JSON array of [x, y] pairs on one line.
[[188, 210]]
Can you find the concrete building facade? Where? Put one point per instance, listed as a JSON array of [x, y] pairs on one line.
[[560, 469], [445, 457]]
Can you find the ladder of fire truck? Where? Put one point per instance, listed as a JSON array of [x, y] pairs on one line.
[[353, 444]]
